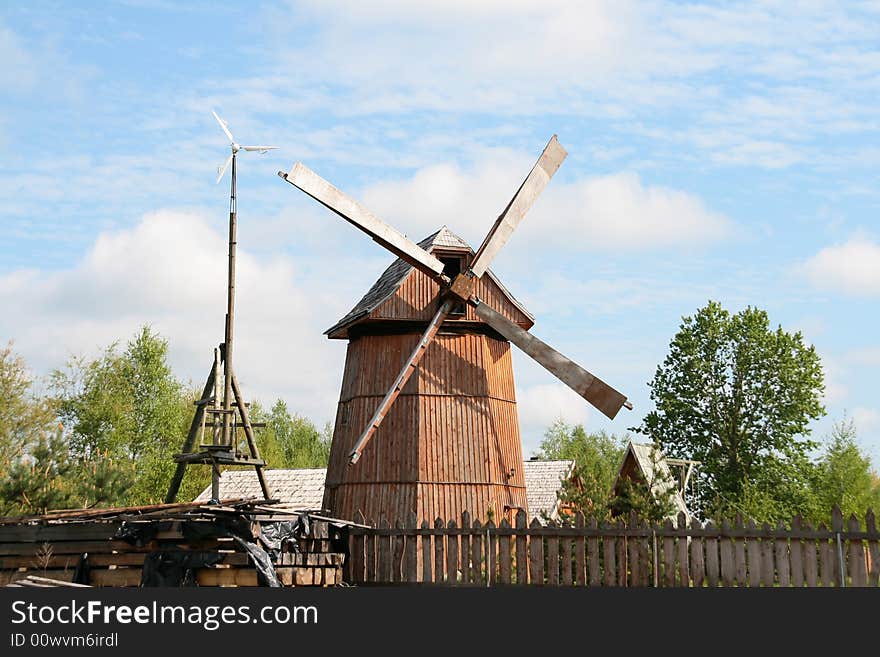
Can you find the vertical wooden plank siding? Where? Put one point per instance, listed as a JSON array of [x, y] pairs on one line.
[[448, 444]]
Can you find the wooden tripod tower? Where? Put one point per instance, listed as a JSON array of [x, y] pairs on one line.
[[224, 404]]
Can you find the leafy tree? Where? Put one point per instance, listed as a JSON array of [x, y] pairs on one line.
[[128, 409], [737, 395], [24, 417], [597, 458], [291, 441]]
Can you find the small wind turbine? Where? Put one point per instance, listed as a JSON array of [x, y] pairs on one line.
[[216, 402], [235, 148]]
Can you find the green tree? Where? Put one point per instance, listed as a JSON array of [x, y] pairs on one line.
[[129, 410], [291, 441], [739, 397], [597, 458], [844, 475]]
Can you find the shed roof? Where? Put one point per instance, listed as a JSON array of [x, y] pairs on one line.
[[301, 489], [544, 480], [393, 277]]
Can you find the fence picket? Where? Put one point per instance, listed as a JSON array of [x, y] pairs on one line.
[[536, 556], [697, 567], [712, 569], [668, 555], [684, 576], [452, 555], [384, 553], [522, 559], [594, 557], [811, 569], [768, 572], [827, 560], [739, 554], [476, 570], [580, 554], [873, 550], [609, 554], [465, 554], [397, 554], [797, 554], [725, 547], [552, 557], [439, 560], [504, 554], [427, 575], [783, 567], [565, 559], [857, 571], [492, 541]]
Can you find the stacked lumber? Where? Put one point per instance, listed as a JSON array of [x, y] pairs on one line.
[[110, 546]]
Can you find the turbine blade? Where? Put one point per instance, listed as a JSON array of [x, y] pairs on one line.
[[356, 214], [605, 398], [408, 368], [513, 214], [222, 170], [223, 125], [262, 149]]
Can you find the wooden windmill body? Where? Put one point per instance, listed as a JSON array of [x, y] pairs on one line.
[[427, 414], [451, 441]]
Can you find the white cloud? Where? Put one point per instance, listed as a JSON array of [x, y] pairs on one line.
[[169, 271], [851, 268], [866, 420], [591, 213], [541, 405], [18, 71]]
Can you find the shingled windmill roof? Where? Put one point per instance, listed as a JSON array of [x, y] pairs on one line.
[[393, 277]]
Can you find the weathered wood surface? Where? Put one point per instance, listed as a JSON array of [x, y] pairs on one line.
[[633, 553]]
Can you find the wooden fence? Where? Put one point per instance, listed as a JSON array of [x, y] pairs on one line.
[[584, 553]]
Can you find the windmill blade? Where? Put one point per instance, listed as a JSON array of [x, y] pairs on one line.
[[594, 390], [222, 170], [408, 368], [223, 125], [262, 149], [356, 214], [513, 214]]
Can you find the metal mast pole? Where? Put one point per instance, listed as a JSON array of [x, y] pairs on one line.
[[230, 316]]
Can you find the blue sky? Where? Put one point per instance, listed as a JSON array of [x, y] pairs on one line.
[[723, 151]]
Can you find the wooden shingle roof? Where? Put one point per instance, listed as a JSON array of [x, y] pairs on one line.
[[393, 277], [544, 480]]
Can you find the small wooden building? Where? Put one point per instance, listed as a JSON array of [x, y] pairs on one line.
[[644, 463], [451, 441]]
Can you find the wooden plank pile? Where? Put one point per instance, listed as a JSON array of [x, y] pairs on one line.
[[109, 547], [629, 553]]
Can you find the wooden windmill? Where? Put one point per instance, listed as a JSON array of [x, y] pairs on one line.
[[427, 421]]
